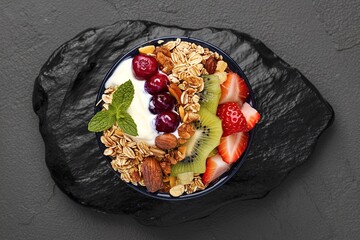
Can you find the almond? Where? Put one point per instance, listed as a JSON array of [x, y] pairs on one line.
[[210, 64], [166, 141], [175, 91], [152, 174]]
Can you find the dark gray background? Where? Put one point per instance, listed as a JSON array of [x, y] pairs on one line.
[[319, 200]]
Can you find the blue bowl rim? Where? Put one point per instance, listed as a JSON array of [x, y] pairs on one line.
[[251, 100]]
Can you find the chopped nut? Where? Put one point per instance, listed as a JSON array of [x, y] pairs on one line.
[[181, 112], [152, 173], [210, 64], [166, 141], [166, 65], [182, 140], [166, 187], [166, 167], [175, 92], [186, 131], [164, 50], [169, 158]]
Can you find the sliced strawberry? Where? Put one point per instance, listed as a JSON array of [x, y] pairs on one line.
[[232, 119], [251, 115], [233, 146], [234, 89], [215, 167]]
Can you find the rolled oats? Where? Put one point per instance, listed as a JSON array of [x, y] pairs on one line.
[[108, 151], [177, 190]]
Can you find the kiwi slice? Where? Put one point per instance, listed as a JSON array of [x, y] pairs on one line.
[[207, 136], [213, 152], [185, 178], [209, 97]]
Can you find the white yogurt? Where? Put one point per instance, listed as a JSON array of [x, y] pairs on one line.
[[139, 107]]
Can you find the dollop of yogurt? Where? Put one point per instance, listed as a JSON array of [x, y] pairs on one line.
[[139, 107]]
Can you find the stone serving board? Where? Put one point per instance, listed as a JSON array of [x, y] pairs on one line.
[[294, 114]]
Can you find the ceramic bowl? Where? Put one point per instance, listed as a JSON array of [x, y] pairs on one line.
[[235, 167]]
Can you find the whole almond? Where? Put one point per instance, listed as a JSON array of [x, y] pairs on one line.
[[166, 141], [152, 174], [210, 64]]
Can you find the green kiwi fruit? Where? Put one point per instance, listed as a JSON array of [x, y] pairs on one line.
[[213, 152], [207, 136], [210, 96], [185, 178]]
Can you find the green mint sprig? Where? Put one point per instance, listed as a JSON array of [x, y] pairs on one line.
[[121, 101]]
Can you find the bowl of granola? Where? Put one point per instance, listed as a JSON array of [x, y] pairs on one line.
[[175, 118]]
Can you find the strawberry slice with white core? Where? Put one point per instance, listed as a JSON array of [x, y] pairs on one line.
[[251, 115], [215, 167], [233, 146], [234, 89]]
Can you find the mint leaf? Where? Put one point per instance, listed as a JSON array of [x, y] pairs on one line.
[[123, 96], [112, 109], [101, 121], [127, 124], [121, 101]]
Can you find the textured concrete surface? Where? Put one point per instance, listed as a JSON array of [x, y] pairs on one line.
[[319, 200]]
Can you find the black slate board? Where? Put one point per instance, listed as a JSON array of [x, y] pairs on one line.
[[294, 114]]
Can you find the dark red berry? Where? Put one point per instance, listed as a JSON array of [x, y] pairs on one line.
[[167, 122], [144, 66], [157, 83], [161, 103]]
